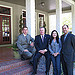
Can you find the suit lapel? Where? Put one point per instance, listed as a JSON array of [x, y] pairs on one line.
[[40, 38], [27, 38], [66, 37], [63, 39], [44, 38]]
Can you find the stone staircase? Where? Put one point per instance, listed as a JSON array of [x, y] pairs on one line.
[[15, 67]]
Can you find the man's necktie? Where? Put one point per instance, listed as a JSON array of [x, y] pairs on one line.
[[42, 38], [26, 39]]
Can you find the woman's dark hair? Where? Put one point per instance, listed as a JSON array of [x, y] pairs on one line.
[[57, 38]]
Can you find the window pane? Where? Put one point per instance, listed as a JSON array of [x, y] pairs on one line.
[[24, 13], [2, 28], [5, 21], [0, 9], [4, 10]]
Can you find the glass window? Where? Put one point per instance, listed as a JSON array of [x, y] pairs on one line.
[[41, 20], [24, 17], [4, 10], [24, 13]]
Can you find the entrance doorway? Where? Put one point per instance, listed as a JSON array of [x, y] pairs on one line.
[[5, 29]]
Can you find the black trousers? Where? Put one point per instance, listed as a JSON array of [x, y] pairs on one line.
[[36, 59], [67, 67]]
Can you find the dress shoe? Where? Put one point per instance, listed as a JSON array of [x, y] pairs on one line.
[[22, 58], [31, 63], [33, 73], [47, 73]]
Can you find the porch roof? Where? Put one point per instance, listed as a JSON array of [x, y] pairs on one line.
[[49, 5]]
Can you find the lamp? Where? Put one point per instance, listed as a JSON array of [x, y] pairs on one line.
[[42, 3]]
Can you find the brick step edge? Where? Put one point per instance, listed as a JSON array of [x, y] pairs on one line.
[[13, 65], [23, 70]]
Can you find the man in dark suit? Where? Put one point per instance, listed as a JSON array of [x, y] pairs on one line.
[[68, 47], [41, 45]]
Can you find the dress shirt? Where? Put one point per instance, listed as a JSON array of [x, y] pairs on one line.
[[41, 36], [24, 34], [65, 36]]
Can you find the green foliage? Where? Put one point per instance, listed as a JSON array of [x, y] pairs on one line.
[[67, 19], [14, 46], [44, 25], [21, 24]]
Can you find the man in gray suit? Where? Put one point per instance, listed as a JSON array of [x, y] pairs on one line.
[[25, 44], [68, 48]]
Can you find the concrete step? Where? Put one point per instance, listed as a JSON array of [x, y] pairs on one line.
[[5, 66]]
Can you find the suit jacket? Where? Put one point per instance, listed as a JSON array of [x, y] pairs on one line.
[[68, 47], [39, 45], [24, 42]]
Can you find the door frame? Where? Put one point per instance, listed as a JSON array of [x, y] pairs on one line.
[[6, 42], [11, 12]]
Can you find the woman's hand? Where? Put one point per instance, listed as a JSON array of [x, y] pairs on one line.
[[55, 54]]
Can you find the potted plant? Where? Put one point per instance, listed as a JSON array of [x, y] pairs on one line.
[[16, 54], [21, 24], [44, 25]]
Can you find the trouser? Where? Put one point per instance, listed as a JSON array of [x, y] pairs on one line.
[[36, 59], [29, 54], [67, 67], [56, 64]]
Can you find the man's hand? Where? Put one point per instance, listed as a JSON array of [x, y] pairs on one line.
[[43, 51], [32, 44], [26, 50]]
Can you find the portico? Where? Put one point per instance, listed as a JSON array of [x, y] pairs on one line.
[[37, 11]]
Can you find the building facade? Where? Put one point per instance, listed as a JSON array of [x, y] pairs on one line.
[[34, 14]]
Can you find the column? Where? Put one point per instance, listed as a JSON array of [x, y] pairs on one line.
[[58, 16], [73, 18], [30, 17]]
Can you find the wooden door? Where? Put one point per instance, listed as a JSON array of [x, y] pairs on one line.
[[5, 30]]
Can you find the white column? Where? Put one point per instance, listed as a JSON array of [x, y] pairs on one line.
[[58, 16], [73, 18], [30, 17]]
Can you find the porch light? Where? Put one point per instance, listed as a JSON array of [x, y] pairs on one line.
[[42, 3]]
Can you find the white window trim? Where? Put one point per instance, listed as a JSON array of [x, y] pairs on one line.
[[11, 20]]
